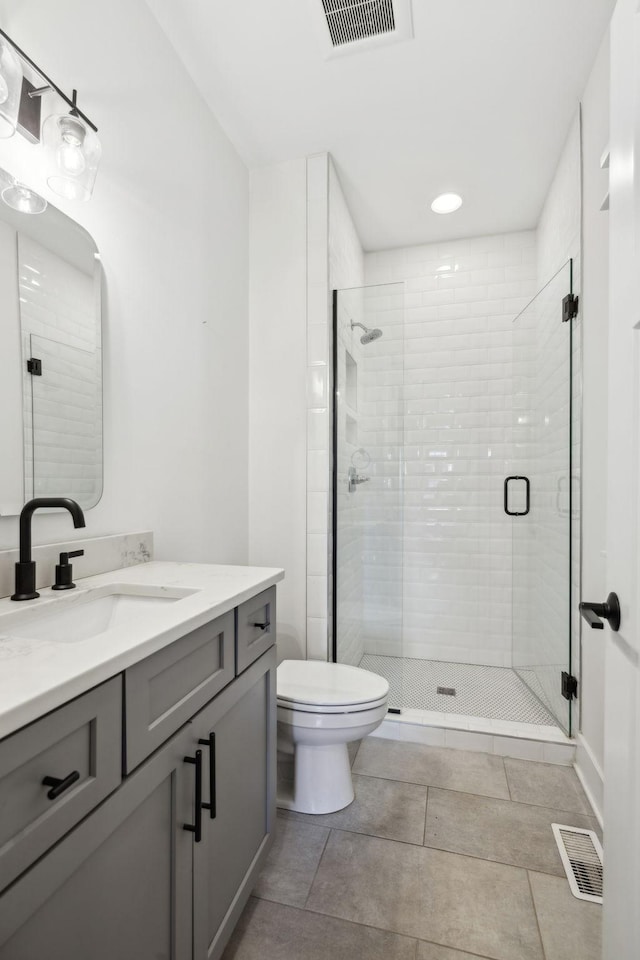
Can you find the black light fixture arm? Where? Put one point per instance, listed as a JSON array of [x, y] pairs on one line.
[[50, 84]]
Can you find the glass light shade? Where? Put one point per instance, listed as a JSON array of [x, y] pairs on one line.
[[21, 198], [72, 154], [10, 89]]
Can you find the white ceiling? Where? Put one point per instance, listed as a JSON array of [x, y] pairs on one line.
[[479, 103]]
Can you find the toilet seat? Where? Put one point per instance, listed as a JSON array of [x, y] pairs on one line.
[[313, 686]]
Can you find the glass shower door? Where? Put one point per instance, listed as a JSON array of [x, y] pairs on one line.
[[368, 495], [538, 495]]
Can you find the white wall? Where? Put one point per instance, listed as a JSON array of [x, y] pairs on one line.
[[170, 217], [277, 381], [595, 309]]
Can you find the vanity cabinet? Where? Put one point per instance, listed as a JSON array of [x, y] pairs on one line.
[[162, 868], [119, 885], [237, 733]]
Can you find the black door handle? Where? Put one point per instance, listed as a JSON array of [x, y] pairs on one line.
[[517, 513], [59, 786], [196, 828], [211, 806], [263, 626], [594, 613]]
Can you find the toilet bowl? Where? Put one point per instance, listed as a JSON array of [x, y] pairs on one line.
[[321, 708]]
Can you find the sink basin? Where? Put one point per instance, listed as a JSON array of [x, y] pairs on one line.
[[76, 619]]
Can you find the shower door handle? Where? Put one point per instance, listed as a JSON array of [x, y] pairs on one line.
[[595, 613], [517, 513]]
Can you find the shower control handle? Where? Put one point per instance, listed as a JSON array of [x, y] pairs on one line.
[[595, 613], [355, 479]]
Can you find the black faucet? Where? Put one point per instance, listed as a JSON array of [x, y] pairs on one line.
[[26, 568]]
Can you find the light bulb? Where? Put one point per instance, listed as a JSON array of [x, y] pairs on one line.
[[22, 199], [71, 158]]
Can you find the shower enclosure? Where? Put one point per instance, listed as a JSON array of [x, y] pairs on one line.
[[453, 502]]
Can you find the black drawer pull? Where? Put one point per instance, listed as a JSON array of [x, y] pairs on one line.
[[59, 786], [197, 826], [211, 806], [263, 626]]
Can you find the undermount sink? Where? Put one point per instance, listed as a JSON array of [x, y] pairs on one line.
[[80, 619]]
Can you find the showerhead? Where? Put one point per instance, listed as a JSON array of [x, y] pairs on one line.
[[368, 334]]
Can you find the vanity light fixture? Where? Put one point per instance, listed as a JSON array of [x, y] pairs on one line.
[[71, 146], [10, 89], [447, 203], [73, 154], [22, 198]]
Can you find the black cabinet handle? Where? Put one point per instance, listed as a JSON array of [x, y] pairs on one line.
[[263, 626], [211, 806], [595, 613], [59, 786], [517, 513], [196, 827]]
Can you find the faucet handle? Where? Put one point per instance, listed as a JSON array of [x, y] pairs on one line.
[[65, 557], [64, 570]]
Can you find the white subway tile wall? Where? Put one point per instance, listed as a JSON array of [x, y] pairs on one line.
[[452, 549]]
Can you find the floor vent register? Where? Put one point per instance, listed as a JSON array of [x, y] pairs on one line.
[[581, 855]]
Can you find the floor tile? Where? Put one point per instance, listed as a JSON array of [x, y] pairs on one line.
[[462, 770], [570, 928], [271, 931], [432, 951], [353, 749], [499, 830], [471, 905], [293, 860], [382, 808], [546, 784]]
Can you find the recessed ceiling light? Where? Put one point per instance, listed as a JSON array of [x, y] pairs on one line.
[[446, 203]]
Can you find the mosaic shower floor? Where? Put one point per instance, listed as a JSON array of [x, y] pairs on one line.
[[494, 693]]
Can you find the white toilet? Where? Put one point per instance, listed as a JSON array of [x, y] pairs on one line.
[[321, 708]]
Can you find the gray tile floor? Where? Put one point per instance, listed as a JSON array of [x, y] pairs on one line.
[[443, 855]]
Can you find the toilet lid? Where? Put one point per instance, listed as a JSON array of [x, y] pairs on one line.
[[316, 683]]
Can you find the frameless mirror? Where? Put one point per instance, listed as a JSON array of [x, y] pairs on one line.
[[50, 359]]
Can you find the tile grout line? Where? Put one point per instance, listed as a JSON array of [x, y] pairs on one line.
[[535, 912], [315, 872], [426, 814], [506, 777]]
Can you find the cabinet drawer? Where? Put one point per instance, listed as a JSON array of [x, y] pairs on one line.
[[255, 628], [164, 691], [83, 737]]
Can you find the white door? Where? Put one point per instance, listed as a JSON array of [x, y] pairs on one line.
[[622, 683]]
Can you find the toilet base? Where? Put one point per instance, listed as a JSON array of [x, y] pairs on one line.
[[322, 779]]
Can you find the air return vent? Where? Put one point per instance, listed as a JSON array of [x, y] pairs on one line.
[[352, 25], [581, 855], [350, 20]]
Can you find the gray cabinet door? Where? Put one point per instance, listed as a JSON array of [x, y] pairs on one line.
[[119, 885], [239, 728]]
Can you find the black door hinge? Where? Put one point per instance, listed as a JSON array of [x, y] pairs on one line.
[[570, 307], [569, 686], [34, 366]]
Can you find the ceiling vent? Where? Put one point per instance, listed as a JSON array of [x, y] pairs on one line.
[[350, 26]]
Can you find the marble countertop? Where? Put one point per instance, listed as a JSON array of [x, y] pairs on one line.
[[38, 675]]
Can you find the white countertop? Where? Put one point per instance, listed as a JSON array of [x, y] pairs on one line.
[[37, 676]]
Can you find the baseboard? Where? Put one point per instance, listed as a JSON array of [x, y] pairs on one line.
[[590, 776]]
